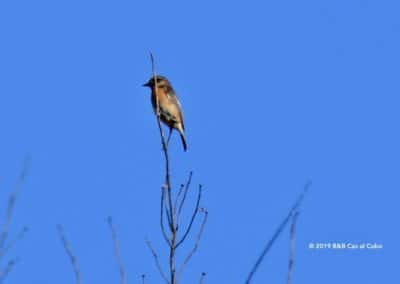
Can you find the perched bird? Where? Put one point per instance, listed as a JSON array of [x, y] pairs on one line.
[[169, 105]]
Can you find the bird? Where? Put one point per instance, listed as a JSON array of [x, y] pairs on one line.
[[170, 109]]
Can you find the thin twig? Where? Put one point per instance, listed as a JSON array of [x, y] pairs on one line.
[[196, 244], [143, 278], [164, 233], [172, 251], [196, 210], [292, 246], [72, 257], [278, 231], [4, 273], [171, 222], [202, 277], [117, 250], [185, 193], [19, 237], [182, 202], [156, 259], [181, 188], [11, 204]]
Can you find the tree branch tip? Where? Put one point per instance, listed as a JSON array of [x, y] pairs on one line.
[[203, 210], [308, 185], [13, 261], [25, 169], [148, 242]]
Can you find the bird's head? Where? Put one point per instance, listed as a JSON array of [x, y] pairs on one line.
[[161, 82]]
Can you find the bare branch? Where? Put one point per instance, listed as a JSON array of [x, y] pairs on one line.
[[4, 272], [181, 188], [162, 218], [11, 204], [19, 237], [277, 233], [292, 246], [196, 245], [143, 278], [117, 250], [72, 257], [171, 222], [156, 259], [185, 193], [170, 209], [196, 210]]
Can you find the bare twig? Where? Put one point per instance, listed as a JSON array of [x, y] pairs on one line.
[[185, 193], [155, 255], [11, 204], [172, 251], [4, 247], [181, 188], [278, 231], [202, 277], [170, 223], [196, 245], [19, 237], [164, 233], [72, 257], [117, 250], [143, 278], [4, 272], [292, 246], [195, 211]]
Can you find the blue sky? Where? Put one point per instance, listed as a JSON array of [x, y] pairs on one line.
[[274, 93]]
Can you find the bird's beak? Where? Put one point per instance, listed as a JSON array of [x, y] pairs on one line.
[[146, 84]]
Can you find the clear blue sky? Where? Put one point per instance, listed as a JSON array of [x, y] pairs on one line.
[[274, 93]]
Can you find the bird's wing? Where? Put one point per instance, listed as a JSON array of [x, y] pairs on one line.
[[174, 99]]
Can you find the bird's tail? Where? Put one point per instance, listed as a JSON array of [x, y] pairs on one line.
[[183, 138], [181, 131]]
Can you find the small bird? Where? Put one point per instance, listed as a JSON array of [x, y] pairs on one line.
[[169, 105]]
